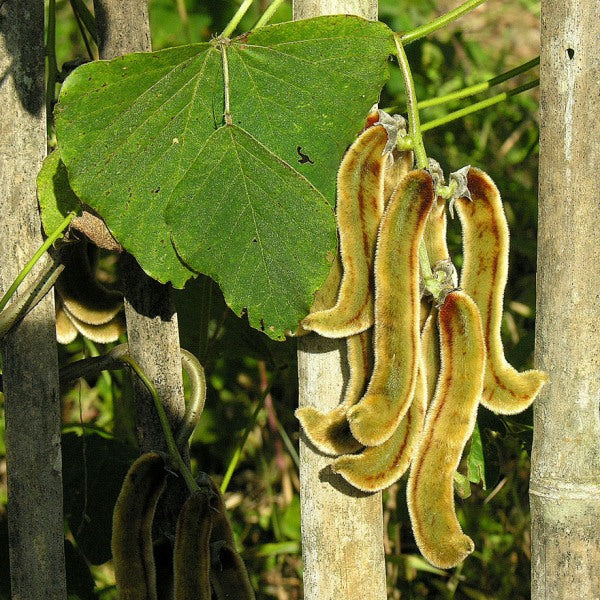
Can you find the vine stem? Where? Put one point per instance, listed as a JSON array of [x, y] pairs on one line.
[[235, 21], [414, 124], [33, 260], [479, 87], [463, 112], [415, 133], [440, 22], [162, 415], [268, 14]]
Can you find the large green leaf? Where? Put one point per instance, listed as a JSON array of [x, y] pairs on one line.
[[263, 235], [144, 133]]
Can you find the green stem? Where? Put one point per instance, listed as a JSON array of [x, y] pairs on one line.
[[164, 421], [84, 36], [235, 21], [39, 253], [268, 14], [85, 16], [52, 73], [463, 112], [479, 87], [440, 22], [44, 282], [414, 124]]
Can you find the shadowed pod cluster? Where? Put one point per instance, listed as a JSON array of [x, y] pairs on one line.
[[424, 350], [204, 558]]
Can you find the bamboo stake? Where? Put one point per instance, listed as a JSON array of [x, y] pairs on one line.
[[29, 357], [342, 529], [565, 478]]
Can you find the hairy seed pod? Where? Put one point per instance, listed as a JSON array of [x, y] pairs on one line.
[[132, 528], [448, 425], [80, 292], [376, 468], [483, 277], [65, 330], [191, 556], [228, 574], [396, 337], [330, 432], [434, 235], [430, 352], [326, 295], [360, 204], [104, 333], [397, 167]]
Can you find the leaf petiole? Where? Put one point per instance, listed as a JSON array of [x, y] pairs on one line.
[[235, 21], [268, 14]]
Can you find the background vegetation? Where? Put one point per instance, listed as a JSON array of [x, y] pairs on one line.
[[241, 364]]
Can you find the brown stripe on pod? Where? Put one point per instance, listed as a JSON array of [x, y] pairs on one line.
[[396, 337]]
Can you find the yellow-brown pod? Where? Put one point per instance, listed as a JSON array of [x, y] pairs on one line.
[[397, 167], [326, 295], [330, 432], [228, 574], [360, 204], [448, 425], [396, 336], [191, 556], [81, 293], [376, 468], [65, 330], [132, 528], [483, 277], [434, 235], [104, 333], [430, 352]]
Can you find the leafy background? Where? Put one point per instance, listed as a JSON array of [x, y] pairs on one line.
[[240, 362]]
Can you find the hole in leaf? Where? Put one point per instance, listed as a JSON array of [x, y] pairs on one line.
[[570, 53]]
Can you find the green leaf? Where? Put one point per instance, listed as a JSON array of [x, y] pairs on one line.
[[55, 195], [476, 459], [144, 132], [266, 237]]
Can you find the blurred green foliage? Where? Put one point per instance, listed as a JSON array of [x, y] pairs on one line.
[[240, 362]]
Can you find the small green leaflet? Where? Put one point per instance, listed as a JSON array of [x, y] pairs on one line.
[[55, 195], [142, 135]]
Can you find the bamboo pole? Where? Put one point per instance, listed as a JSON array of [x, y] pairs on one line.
[[342, 529], [565, 478], [29, 356]]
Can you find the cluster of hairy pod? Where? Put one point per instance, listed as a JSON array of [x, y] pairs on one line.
[[205, 561], [418, 368], [83, 304]]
